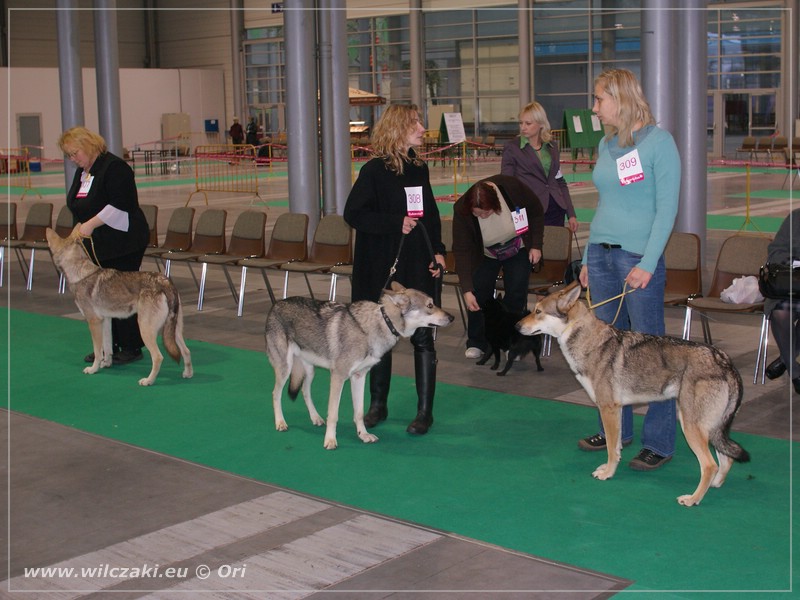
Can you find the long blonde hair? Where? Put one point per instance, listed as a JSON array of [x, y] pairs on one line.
[[539, 115], [390, 136], [91, 143], [632, 106]]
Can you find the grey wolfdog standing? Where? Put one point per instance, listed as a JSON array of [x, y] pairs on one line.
[[102, 294], [347, 339], [618, 367]]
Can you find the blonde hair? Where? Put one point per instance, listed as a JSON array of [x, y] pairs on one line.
[[91, 143], [390, 136], [632, 106], [536, 111]]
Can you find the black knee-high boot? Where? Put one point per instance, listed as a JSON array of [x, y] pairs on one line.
[[425, 374], [380, 377]]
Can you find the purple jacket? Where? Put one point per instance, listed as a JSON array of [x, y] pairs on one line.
[[523, 164]]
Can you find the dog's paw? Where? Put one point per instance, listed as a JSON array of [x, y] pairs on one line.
[[368, 438], [604, 471], [281, 426], [330, 443], [106, 362], [187, 373], [91, 370], [688, 500], [145, 381], [317, 421]]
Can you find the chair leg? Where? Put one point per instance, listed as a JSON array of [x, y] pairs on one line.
[[332, 290], [231, 287], [242, 284], [29, 282], [2, 263], [761, 357], [687, 323], [269, 286], [202, 286], [706, 329], [308, 285], [285, 284], [167, 267]]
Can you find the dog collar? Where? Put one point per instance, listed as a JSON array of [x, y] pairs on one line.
[[389, 323]]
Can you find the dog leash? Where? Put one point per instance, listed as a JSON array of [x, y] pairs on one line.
[[438, 280], [621, 296]]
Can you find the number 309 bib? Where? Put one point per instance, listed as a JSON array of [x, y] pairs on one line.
[[629, 168]]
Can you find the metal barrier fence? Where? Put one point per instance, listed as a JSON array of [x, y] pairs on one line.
[[225, 168], [16, 164]]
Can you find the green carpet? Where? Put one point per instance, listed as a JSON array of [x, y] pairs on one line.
[[496, 467]]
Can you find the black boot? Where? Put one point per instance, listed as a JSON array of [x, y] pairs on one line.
[[380, 377], [425, 374]]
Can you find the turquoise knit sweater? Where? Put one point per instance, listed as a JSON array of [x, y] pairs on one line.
[[638, 216]]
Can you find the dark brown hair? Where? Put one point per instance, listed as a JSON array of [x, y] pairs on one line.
[[482, 195]]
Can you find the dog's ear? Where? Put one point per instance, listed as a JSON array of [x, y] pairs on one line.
[[76, 232], [567, 297], [397, 287], [398, 297]]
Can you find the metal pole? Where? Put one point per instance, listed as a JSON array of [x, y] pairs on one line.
[[70, 80], [237, 27], [106, 57], [301, 110], [340, 128], [525, 52]]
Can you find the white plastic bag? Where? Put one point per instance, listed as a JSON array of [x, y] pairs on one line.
[[743, 290]]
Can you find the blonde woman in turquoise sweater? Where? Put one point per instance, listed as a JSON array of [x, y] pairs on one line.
[[637, 175]]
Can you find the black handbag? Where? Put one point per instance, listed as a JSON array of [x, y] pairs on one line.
[[779, 281]]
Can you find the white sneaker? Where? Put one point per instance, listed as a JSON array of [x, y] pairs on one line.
[[473, 353]]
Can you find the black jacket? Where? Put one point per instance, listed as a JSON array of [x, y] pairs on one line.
[[375, 208], [113, 184]]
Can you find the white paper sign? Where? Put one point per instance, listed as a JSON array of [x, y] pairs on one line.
[[596, 126], [576, 123], [455, 127]]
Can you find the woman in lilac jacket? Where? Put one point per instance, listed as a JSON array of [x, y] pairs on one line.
[[533, 158]]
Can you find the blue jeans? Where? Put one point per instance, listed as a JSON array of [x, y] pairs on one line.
[[516, 275], [643, 311]]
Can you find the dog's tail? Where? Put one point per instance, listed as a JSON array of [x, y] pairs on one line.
[[174, 322], [720, 437], [296, 379]]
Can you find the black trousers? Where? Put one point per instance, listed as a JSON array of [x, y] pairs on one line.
[[125, 332]]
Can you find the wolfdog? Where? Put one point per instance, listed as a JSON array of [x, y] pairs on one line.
[[102, 294], [502, 334], [625, 367], [347, 339]]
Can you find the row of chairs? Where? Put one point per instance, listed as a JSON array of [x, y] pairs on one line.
[[287, 250], [769, 146]]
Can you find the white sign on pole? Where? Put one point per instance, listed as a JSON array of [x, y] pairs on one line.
[[455, 127]]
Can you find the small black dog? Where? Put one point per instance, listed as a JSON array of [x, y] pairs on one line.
[[502, 334]]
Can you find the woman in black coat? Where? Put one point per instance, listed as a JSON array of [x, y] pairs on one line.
[[392, 200], [784, 315], [104, 200]]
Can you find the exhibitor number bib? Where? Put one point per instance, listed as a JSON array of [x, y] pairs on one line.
[[414, 201], [629, 168]]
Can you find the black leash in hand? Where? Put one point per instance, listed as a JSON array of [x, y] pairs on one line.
[[437, 298]]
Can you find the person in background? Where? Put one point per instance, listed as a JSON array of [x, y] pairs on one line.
[[392, 202], [489, 235], [104, 200], [638, 177], [252, 132], [236, 132], [534, 158], [784, 318]]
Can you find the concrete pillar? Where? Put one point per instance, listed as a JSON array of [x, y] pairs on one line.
[[416, 52], [525, 20], [658, 68], [237, 28], [301, 110], [70, 80], [106, 53], [690, 128]]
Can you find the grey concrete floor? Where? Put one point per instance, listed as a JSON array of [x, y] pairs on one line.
[[153, 506]]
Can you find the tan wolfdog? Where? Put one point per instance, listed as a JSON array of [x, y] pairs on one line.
[[102, 294], [618, 367]]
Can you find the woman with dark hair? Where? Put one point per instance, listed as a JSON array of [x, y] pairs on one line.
[[390, 204], [104, 200], [497, 224]]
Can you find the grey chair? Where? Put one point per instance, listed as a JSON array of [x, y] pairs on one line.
[[178, 237], [209, 238], [740, 255], [288, 243], [8, 231], [247, 241], [332, 245], [40, 217]]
